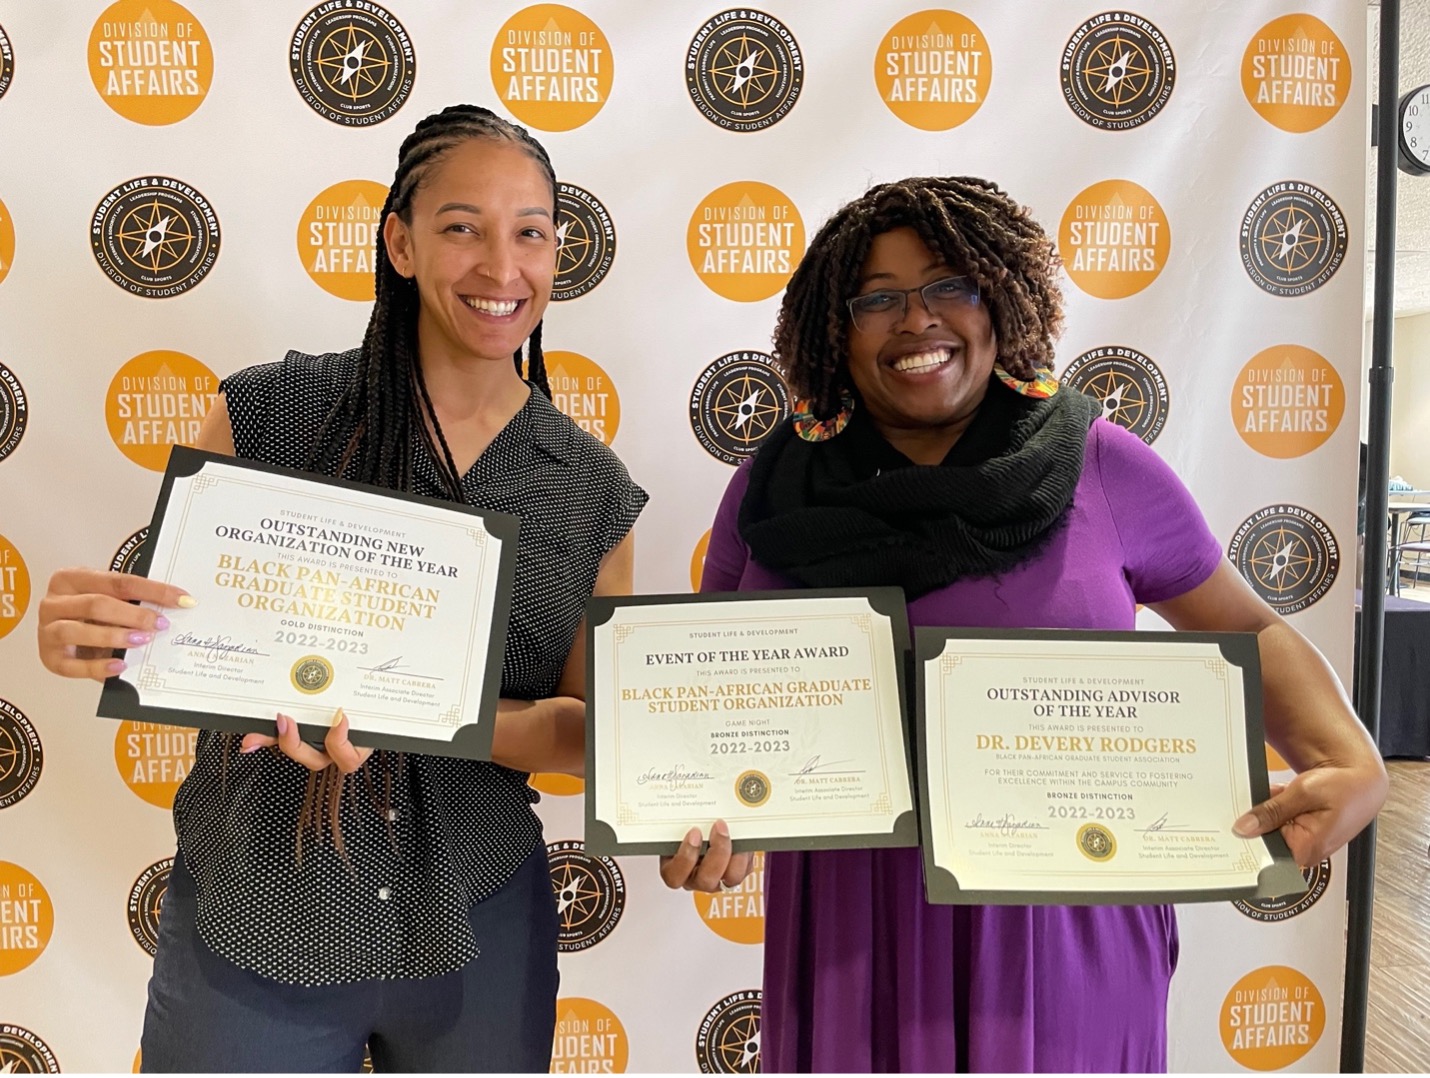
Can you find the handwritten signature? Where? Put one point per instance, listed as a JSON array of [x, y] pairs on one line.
[[1161, 824], [816, 764], [677, 776], [396, 666], [214, 647], [1004, 824]]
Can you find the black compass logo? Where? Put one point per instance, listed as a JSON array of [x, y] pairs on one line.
[[22, 759], [155, 236], [1117, 71], [14, 411], [21, 1052], [1285, 907], [1132, 388], [737, 401], [744, 70], [7, 62], [1288, 555], [586, 241], [146, 903], [1293, 239], [126, 558], [353, 67], [590, 895], [728, 1041]]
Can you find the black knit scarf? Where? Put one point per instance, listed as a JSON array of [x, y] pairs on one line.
[[855, 512]]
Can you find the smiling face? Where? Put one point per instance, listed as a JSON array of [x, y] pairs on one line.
[[925, 373], [480, 240]]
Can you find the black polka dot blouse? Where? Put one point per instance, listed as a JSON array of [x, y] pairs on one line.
[[455, 830]]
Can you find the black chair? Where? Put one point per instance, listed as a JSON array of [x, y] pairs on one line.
[[1412, 541]]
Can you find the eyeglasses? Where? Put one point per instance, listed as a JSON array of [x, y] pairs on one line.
[[881, 311]]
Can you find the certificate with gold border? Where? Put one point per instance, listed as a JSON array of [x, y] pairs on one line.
[[781, 713], [1092, 768], [315, 594]]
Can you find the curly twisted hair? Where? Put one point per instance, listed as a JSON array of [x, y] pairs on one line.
[[977, 230], [367, 436]]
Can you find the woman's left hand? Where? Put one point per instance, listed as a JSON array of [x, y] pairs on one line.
[[1340, 782], [719, 870], [1320, 810], [341, 753]]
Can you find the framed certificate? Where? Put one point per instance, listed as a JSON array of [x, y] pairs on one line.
[[1082, 768], [315, 594], [781, 713]]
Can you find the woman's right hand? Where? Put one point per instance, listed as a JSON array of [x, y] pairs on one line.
[[86, 613], [719, 869]]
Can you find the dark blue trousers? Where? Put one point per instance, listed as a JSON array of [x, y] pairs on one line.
[[498, 1013]]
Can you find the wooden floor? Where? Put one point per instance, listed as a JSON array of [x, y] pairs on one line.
[[1398, 1022]]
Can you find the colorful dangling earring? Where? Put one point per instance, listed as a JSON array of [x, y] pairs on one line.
[[812, 429], [1042, 386]]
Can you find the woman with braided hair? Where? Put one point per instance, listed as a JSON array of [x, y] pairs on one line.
[[935, 452], [327, 897]]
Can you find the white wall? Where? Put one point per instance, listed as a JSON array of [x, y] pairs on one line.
[[1410, 401]]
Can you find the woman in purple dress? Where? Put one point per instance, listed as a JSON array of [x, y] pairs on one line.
[[936, 453]]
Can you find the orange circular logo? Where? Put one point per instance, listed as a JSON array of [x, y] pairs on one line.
[[14, 587], [150, 60], [744, 240], [27, 918], [589, 1038], [337, 238], [1287, 401], [153, 759], [552, 67], [7, 241], [1271, 1018], [557, 784], [697, 561], [739, 913], [1114, 239], [581, 389], [933, 69], [1296, 73], [157, 401]]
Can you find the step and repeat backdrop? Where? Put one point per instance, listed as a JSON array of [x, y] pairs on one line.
[[186, 189]]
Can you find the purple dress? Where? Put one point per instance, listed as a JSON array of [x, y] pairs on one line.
[[861, 974]]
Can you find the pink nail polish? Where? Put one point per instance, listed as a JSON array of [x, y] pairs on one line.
[[116, 666], [244, 750], [283, 721], [161, 623], [136, 639]]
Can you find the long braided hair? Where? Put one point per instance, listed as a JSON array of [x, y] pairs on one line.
[[973, 226], [368, 434]]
